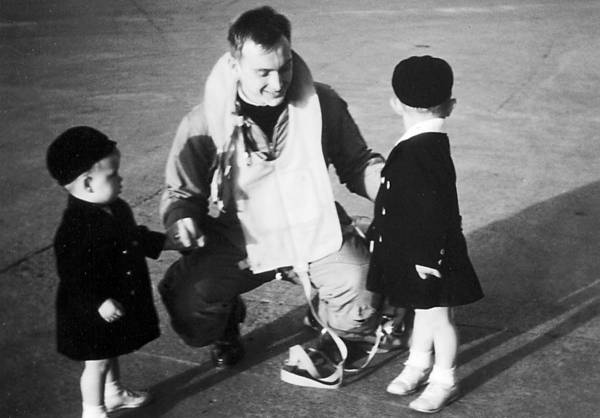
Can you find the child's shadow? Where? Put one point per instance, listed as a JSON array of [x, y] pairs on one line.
[[539, 272]]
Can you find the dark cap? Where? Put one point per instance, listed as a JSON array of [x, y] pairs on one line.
[[423, 82], [75, 151]]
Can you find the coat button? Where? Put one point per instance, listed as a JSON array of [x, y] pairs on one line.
[[442, 251], [124, 252], [387, 185], [382, 180], [380, 238], [383, 211], [128, 273], [439, 262]]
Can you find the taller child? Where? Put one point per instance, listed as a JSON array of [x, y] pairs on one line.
[[420, 258]]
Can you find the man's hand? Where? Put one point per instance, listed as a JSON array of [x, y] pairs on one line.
[[111, 310], [184, 235]]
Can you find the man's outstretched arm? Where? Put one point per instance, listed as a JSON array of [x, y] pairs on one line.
[[356, 165]]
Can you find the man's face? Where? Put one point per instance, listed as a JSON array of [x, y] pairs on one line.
[[265, 76]]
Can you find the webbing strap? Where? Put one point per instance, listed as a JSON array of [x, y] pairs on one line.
[[299, 368], [379, 334]]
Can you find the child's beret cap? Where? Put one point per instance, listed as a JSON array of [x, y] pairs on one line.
[[75, 151], [423, 82]]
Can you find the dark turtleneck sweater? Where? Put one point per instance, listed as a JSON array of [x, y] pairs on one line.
[[264, 116]]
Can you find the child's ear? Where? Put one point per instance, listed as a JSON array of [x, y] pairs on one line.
[[452, 104], [396, 105], [87, 184]]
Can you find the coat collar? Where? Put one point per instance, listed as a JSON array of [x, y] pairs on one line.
[[83, 205], [429, 125]]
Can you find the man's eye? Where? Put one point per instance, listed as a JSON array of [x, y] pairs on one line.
[[263, 73]]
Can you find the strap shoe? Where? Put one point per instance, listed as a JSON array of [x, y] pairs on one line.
[[434, 398], [409, 381], [127, 398]]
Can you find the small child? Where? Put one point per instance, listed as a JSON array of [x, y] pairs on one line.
[[419, 254], [104, 303]]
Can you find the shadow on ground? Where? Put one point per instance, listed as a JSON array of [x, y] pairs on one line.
[[261, 344], [539, 272]]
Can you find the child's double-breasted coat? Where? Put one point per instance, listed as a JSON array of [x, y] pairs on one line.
[[417, 221], [100, 254]]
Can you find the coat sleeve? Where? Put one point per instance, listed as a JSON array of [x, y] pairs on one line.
[[152, 242], [356, 165], [189, 170]]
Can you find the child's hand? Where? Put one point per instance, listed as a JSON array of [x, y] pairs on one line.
[[427, 272], [111, 310]]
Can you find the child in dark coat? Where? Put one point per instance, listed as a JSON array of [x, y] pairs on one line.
[[419, 254], [104, 303]]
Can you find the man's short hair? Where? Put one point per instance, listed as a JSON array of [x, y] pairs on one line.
[[263, 25]]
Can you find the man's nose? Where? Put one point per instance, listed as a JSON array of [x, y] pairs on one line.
[[275, 81]]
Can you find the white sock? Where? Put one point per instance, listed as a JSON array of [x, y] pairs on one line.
[[419, 359], [446, 377], [93, 411], [112, 388]]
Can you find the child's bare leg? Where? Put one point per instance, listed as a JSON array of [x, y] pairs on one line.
[[422, 338], [92, 387], [445, 337], [442, 383], [418, 364], [112, 385]]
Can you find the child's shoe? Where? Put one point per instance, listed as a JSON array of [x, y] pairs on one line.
[[409, 381], [93, 411], [126, 399], [434, 398]]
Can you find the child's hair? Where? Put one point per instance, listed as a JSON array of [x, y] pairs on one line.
[[76, 151], [424, 83], [442, 110]]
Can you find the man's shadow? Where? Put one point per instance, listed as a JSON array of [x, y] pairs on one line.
[[538, 269], [261, 344]]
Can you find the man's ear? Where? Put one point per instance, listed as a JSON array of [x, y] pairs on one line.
[[234, 64], [397, 106]]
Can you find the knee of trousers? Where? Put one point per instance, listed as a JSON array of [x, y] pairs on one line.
[[346, 305], [356, 316], [197, 321]]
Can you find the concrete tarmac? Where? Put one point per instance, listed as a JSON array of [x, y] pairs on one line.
[[524, 140]]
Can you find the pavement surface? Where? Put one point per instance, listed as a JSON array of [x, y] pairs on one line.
[[525, 143]]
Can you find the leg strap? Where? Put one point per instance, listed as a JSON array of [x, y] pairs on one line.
[[300, 369]]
